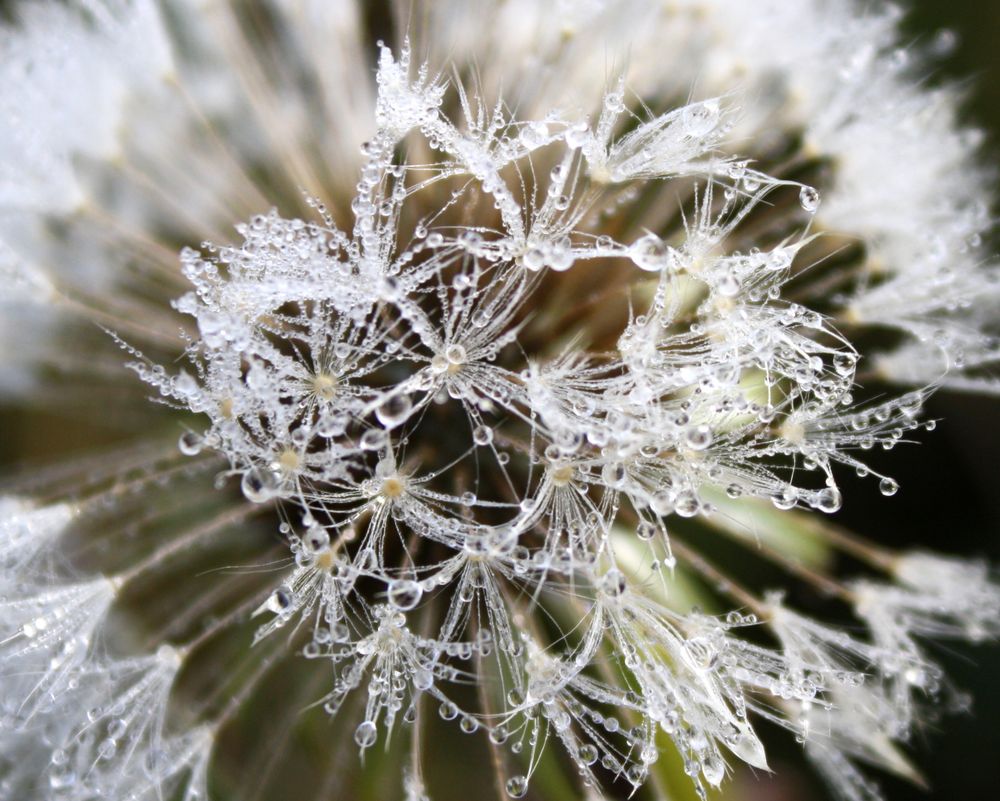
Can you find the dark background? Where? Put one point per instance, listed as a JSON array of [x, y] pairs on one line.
[[949, 498], [950, 486]]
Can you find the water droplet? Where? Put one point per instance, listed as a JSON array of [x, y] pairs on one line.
[[517, 786], [259, 486], [699, 119], [728, 285], [636, 774], [533, 258], [317, 539], [588, 754], [394, 410], [844, 363], [888, 487], [613, 473], [809, 199], [829, 500], [366, 734], [560, 256], [404, 594], [189, 443], [577, 135], [686, 504], [423, 679], [482, 435], [714, 770], [697, 438], [280, 601], [645, 531], [786, 499], [534, 134], [107, 749], [373, 439], [613, 583], [61, 778], [650, 253]]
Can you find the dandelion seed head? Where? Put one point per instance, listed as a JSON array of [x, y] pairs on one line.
[[485, 364]]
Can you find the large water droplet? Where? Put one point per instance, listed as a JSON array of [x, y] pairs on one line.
[[829, 500], [650, 253], [534, 134], [373, 439], [809, 199], [259, 486], [517, 786], [613, 473], [280, 601], [394, 410], [613, 583], [714, 770], [404, 594], [697, 438], [699, 119], [366, 734], [189, 443]]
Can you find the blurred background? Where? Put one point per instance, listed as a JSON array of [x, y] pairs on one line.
[[950, 484]]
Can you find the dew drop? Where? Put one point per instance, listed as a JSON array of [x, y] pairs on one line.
[[482, 435], [455, 354], [62, 778], [577, 135], [613, 583], [829, 500], [809, 199], [404, 594], [499, 734], [517, 786], [645, 531], [888, 487], [698, 119], [365, 734], [613, 473], [650, 253], [714, 770], [534, 134], [394, 410], [423, 679], [697, 438], [190, 443], [728, 285], [279, 601], [373, 439], [259, 486], [533, 258]]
